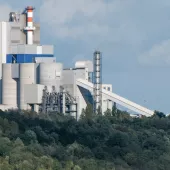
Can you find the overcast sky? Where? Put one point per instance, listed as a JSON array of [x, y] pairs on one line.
[[133, 36]]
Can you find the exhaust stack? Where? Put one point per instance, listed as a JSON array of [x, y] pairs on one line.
[[29, 28]]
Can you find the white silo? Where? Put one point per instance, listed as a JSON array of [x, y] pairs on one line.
[[27, 76], [50, 74], [9, 86]]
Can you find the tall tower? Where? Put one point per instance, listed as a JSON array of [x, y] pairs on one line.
[[29, 28], [97, 80]]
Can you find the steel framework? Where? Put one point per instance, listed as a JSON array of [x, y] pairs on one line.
[[61, 102], [97, 82]]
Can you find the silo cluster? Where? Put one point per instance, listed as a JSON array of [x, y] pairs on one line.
[[15, 77]]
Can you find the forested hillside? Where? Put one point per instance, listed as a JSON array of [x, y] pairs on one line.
[[114, 141]]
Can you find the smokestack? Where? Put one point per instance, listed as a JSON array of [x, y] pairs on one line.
[[97, 81], [29, 28]]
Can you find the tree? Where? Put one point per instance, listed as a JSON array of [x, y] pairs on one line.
[[6, 126], [108, 113], [88, 164], [59, 142], [18, 142], [88, 112], [26, 165], [30, 136], [99, 111], [131, 158], [5, 146], [47, 162], [76, 167], [5, 165], [114, 110], [83, 114], [69, 165], [14, 128], [159, 114]]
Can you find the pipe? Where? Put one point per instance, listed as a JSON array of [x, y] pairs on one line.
[[64, 102]]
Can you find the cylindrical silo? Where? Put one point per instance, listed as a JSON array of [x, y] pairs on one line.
[[50, 74], [27, 76], [9, 86]]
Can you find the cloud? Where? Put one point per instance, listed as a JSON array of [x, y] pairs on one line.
[[73, 19], [158, 55], [121, 29], [94, 20]]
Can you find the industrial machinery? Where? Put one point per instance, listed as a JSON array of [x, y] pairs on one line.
[[31, 79], [61, 102]]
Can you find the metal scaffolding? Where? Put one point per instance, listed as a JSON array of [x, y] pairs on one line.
[[97, 82], [61, 102], [50, 101]]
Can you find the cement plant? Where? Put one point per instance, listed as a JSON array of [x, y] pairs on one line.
[[32, 79]]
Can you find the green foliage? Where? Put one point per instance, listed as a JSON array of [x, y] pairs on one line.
[[159, 114], [77, 167], [30, 136], [113, 141], [88, 112], [108, 113]]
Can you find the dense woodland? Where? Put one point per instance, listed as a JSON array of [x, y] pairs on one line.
[[114, 141]]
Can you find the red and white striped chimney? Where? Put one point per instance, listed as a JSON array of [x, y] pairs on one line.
[[29, 28]]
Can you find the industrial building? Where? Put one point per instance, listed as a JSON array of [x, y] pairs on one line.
[[31, 79]]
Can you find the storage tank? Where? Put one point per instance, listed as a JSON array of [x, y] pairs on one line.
[[27, 76], [50, 74], [9, 86]]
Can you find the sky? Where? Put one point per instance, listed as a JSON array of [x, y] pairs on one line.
[[133, 36]]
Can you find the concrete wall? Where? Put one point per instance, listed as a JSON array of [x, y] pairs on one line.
[[3, 50], [45, 60], [50, 74], [68, 81], [33, 93], [4, 42], [9, 86], [18, 35], [36, 38], [28, 73], [31, 49], [106, 104], [22, 25]]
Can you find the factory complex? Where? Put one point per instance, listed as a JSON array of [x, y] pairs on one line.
[[32, 79]]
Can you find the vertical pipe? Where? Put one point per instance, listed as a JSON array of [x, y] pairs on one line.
[[64, 102], [97, 82]]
